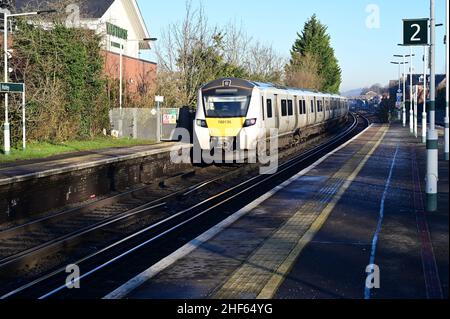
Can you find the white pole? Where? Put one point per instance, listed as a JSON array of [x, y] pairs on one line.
[[399, 90], [121, 91], [416, 131], [158, 122], [411, 115], [424, 113], [404, 91], [6, 129], [120, 77], [24, 131], [432, 138], [447, 120]]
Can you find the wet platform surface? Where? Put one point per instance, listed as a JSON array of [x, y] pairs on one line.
[[29, 169], [314, 236]]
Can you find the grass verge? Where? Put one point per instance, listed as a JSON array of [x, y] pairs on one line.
[[46, 149]]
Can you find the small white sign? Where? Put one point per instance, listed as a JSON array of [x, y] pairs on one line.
[[159, 98]]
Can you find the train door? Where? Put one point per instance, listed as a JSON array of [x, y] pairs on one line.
[[270, 113], [296, 113], [276, 111], [310, 107], [327, 109], [333, 107], [315, 114], [291, 113], [302, 109], [263, 110], [284, 118]]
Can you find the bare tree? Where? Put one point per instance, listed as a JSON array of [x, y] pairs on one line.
[[236, 44], [182, 67], [303, 73], [260, 62], [190, 53], [264, 64]]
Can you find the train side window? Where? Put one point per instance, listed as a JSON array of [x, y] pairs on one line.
[[290, 108], [300, 107], [312, 106], [283, 108], [303, 107], [269, 109]]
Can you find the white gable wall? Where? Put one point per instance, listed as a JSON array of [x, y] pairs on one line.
[[124, 14]]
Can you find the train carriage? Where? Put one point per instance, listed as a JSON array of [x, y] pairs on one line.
[[238, 114]]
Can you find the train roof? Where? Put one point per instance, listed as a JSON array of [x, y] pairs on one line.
[[252, 84]]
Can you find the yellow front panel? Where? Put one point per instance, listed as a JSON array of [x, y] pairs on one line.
[[225, 127]]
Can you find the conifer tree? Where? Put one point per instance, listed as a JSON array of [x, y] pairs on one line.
[[314, 41]]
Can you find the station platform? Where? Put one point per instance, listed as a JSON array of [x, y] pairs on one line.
[[38, 186], [314, 236], [29, 169]]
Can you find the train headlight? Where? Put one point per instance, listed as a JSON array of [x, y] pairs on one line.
[[202, 123], [250, 122]]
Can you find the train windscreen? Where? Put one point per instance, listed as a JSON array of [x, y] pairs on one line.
[[226, 106]]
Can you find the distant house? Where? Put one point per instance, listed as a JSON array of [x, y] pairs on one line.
[[417, 80], [121, 24], [371, 94]]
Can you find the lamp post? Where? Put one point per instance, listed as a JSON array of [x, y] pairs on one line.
[[424, 112], [411, 115], [399, 83], [416, 92], [447, 120], [404, 56], [432, 137], [6, 126]]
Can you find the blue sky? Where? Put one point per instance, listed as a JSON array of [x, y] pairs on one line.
[[363, 53]]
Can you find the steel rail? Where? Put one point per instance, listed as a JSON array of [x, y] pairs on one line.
[[240, 189]]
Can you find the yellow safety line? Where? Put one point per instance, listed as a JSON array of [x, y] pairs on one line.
[[269, 290]]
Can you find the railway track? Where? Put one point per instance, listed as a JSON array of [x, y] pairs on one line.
[[145, 224], [22, 245]]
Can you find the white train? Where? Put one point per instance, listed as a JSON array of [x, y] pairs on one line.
[[238, 114]]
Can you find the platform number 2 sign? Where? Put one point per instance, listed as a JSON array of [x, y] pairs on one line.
[[415, 32]]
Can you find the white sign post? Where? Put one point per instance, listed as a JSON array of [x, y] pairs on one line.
[[17, 88], [158, 99]]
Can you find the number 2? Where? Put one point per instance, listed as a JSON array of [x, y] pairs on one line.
[[414, 37]]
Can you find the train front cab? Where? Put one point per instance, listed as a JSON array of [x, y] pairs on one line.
[[228, 116]]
